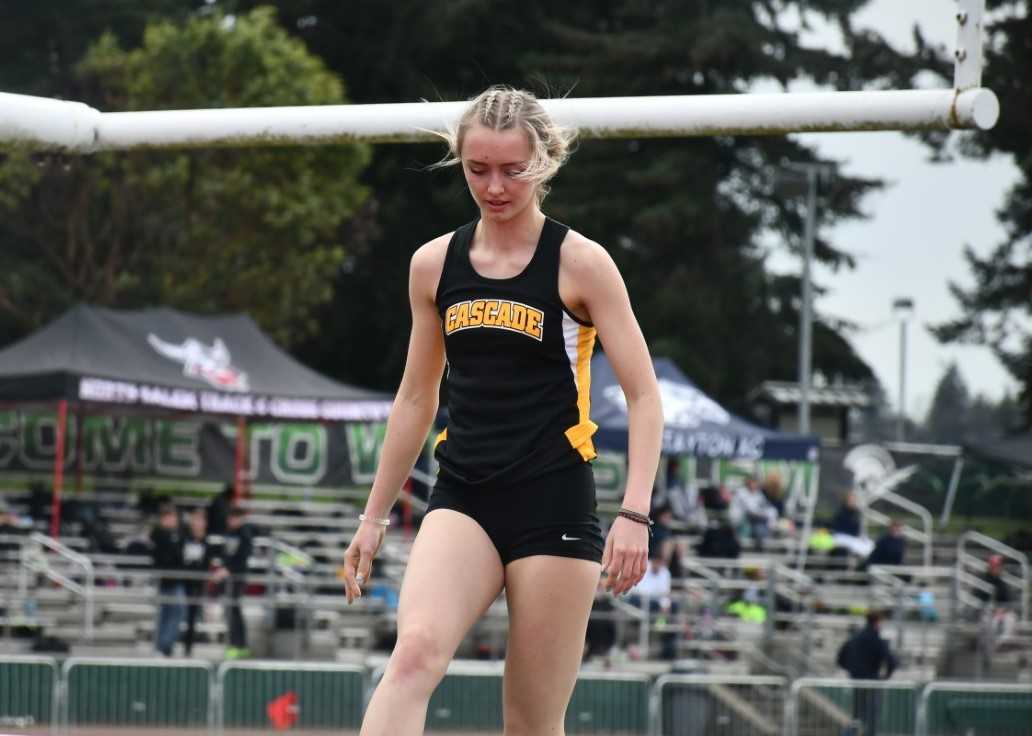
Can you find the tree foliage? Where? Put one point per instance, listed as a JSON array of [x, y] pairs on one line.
[[688, 220], [996, 306], [254, 229]]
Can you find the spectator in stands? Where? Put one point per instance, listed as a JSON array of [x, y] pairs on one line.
[[167, 555], [774, 491], [999, 615], [719, 540], [600, 637], [237, 548], [1000, 596], [197, 560], [890, 547], [218, 510], [652, 593], [846, 528], [665, 541], [751, 512], [865, 656]]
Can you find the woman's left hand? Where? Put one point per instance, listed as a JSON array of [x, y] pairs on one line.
[[626, 555]]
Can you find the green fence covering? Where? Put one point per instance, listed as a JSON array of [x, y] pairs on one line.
[[123, 693], [291, 695], [609, 705], [959, 713], [466, 702], [26, 692]]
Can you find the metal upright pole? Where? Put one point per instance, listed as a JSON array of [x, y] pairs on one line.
[[806, 310], [901, 429]]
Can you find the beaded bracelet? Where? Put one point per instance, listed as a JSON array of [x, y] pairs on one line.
[[636, 517], [374, 520]]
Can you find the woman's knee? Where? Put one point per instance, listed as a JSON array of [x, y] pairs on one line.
[[418, 661], [530, 722]]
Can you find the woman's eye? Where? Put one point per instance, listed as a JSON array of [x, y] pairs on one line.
[[476, 172]]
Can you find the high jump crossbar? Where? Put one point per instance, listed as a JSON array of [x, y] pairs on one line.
[[73, 127]]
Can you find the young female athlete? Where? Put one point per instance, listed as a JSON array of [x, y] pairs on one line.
[[510, 304]]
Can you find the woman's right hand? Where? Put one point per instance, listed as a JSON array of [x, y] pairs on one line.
[[358, 559]]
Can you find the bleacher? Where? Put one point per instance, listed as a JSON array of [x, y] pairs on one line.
[[814, 610]]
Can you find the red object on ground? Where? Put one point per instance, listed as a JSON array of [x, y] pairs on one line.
[[283, 711]]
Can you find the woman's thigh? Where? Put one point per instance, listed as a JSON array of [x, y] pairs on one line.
[[549, 602], [453, 574]]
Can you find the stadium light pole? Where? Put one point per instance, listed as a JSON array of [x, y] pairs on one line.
[[903, 308], [813, 171]]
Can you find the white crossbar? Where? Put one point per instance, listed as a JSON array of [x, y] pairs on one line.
[[48, 124]]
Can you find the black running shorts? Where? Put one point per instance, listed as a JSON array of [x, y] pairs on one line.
[[552, 514]]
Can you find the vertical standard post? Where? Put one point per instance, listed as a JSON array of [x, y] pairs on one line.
[[59, 451], [901, 421], [967, 69], [805, 313]]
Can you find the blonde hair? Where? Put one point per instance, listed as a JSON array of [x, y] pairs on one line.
[[501, 107]]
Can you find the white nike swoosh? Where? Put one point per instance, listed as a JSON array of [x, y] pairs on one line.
[[570, 539]]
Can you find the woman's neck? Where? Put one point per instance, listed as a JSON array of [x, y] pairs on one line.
[[520, 231]]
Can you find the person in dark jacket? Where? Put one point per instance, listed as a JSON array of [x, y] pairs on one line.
[[890, 548], [218, 510], [847, 518], [236, 550], [865, 656], [197, 560], [167, 556]]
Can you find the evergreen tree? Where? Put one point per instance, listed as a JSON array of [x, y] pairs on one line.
[[256, 230], [948, 417], [687, 220], [996, 310]]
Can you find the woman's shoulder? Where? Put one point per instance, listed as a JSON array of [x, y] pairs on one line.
[[429, 257], [581, 256]]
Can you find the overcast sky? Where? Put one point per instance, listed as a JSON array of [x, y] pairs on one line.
[[912, 243]]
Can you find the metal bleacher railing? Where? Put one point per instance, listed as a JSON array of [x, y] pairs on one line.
[[86, 696]]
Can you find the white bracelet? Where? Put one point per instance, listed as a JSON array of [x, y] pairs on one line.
[[373, 519]]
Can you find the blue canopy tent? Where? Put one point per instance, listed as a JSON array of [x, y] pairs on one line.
[[694, 423], [697, 426]]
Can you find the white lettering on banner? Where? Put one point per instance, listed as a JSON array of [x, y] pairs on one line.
[[212, 402], [226, 404], [367, 411], [713, 444], [294, 408], [169, 398], [102, 389]]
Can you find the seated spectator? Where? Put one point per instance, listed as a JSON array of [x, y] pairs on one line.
[[653, 593], [752, 513], [600, 637], [719, 541], [665, 542], [716, 498], [774, 491], [926, 608], [998, 614], [1001, 595], [845, 528], [890, 548]]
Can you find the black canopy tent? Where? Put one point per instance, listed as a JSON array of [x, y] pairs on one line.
[[165, 360], [694, 423]]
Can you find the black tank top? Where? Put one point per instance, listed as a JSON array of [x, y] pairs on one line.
[[519, 369]]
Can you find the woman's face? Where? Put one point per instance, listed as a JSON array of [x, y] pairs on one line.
[[492, 161]]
